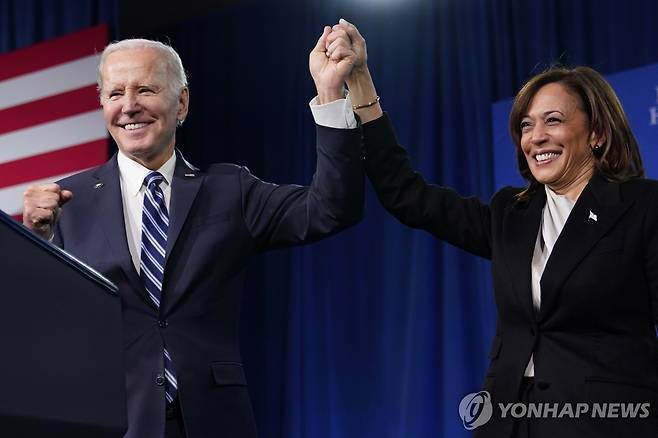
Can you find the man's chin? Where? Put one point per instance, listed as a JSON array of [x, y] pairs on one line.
[[146, 155], [137, 150]]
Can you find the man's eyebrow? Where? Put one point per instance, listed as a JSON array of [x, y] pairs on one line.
[[146, 85]]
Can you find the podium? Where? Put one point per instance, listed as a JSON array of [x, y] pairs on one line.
[[61, 354]]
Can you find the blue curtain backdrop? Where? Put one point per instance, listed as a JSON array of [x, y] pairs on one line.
[[380, 331], [25, 22]]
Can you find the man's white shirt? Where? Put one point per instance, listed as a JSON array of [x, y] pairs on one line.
[[337, 114], [132, 176]]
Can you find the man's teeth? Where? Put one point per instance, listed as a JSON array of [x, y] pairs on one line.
[[131, 126], [546, 156]]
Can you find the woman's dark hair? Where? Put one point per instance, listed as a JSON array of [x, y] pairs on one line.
[[618, 158]]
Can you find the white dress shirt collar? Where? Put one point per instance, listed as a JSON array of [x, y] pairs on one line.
[[133, 174]]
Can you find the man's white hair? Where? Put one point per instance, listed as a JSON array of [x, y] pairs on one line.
[[173, 63]]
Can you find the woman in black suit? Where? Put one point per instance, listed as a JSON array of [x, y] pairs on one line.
[[574, 253]]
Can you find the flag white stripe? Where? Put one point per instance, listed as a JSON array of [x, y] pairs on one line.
[[52, 136], [48, 82], [11, 198]]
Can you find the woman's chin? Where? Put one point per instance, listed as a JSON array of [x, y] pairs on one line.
[[544, 176]]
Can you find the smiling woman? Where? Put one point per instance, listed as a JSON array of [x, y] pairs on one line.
[[566, 123], [574, 254], [554, 140]]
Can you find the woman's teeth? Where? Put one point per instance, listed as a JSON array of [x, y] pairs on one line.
[[546, 156]]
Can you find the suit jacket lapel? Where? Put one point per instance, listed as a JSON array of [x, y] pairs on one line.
[[598, 208], [186, 184], [184, 188], [110, 214], [520, 228]]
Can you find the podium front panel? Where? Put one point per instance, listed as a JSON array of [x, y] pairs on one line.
[[61, 366]]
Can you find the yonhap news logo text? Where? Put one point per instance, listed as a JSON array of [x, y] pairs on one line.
[[476, 409]]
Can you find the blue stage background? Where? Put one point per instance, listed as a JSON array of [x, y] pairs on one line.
[[380, 331]]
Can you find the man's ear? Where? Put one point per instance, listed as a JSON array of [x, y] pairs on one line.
[[183, 104]]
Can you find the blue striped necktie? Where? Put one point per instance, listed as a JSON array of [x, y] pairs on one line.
[[155, 224]]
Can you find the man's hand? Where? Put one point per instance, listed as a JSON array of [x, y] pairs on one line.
[[330, 63], [41, 207], [357, 55]]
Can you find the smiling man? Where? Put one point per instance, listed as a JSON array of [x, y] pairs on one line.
[[141, 106], [176, 240]]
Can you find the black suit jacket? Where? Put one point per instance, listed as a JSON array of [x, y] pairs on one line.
[[594, 338], [218, 220]]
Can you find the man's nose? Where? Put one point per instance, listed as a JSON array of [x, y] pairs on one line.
[[130, 104]]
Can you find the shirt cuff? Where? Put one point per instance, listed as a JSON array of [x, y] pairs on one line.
[[337, 114]]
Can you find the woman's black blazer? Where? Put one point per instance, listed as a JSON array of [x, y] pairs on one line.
[[594, 339]]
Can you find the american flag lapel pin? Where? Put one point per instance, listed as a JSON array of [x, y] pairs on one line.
[[592, 216]]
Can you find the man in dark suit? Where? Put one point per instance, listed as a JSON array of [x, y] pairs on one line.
[[176, 240]]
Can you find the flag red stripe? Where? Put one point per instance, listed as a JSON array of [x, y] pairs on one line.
[[48, 109], [18, 218], [52, 52], [53, 163]]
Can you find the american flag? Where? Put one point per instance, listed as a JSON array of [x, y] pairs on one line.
[[51, 123]]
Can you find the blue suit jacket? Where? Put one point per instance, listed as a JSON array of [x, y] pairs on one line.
[[218, 220]]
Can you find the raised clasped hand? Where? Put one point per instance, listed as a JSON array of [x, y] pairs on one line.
[[346, 34], [331, 61]]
